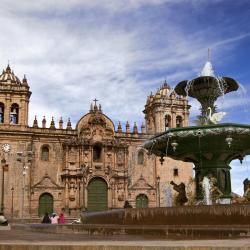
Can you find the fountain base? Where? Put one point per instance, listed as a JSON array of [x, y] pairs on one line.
[[234, 214]]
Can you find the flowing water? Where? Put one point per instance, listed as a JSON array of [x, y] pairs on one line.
[[206, 190]]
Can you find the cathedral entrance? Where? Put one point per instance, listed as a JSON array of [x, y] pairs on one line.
[[45, 204], [97, 195], [141, 201]]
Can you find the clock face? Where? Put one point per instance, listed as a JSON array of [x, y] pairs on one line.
[[6, 147]]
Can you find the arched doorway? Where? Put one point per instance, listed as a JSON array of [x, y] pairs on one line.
[[141, 201], [45, 204], [97, 195]]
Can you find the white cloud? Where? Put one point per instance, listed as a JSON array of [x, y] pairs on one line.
[[28, 6], [75, 51], [71, 65]]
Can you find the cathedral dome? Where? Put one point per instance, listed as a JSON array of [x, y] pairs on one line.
[[165, 89], [8, 77]]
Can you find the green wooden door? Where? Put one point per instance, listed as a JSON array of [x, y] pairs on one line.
[[45, 204], [97, 195], [141, 201]]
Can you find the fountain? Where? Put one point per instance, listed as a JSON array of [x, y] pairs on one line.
[[214, 145], [210, 147]]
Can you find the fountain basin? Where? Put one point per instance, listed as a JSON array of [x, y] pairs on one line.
[[210, 147], [227, 215], [205, 86]]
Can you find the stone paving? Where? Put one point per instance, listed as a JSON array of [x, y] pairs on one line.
[[15, 239]]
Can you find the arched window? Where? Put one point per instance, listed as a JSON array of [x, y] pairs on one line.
[[14, 113], [140, 157], [45, 153], [1, 112], [97, 152], [179, 122], [175, 172], [167, 121]]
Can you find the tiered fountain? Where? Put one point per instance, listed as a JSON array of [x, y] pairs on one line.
[[210, 146]]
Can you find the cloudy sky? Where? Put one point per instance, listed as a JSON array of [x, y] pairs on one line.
[[118, 51]]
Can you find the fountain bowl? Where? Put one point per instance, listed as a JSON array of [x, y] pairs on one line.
[[205, 86]]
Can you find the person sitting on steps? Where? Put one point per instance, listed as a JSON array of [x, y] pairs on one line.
[[3, 220], [127, 205]]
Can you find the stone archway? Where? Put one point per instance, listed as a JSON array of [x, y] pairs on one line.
[[46, 202], [97, 195], [141, 201]]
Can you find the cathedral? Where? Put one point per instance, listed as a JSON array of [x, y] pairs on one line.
[[91, 167]]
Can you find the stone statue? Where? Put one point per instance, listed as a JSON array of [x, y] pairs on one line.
[[181, 197], [215, 192], [246, 194]]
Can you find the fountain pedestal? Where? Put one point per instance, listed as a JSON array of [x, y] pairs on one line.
[[217, 172]]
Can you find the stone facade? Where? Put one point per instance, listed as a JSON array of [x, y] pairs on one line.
[[92, 167]]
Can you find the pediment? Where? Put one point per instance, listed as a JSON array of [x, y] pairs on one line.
[[94, 119], [47, 182], [141, 183]]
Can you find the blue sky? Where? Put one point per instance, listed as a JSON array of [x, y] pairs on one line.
[[118, 51]]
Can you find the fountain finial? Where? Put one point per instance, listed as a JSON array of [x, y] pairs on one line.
[[207, 69]]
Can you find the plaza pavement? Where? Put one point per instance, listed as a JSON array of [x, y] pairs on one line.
[[17, 239]]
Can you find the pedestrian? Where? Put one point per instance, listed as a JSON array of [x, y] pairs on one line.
[[3, 220], [61, 219], [54, 218], [46, 219]]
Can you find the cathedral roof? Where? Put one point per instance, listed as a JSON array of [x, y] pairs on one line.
[[8, 76]]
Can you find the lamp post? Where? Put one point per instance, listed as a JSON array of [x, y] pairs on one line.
[[12, 202], [25, 159], [158, 190], [3, 162], [25, 169]]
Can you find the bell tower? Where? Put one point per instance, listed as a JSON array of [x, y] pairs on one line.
[[14, 99], [165, 110]]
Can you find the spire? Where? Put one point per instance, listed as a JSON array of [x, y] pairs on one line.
[[91, 107], [44, 122], [208, 54], [61, 123], [119, 129], [100, 108], [127, 127], [8, 69], [69, 125], [25, 80], [52, 123], [35, 123], [135, 129], [143, 128]]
